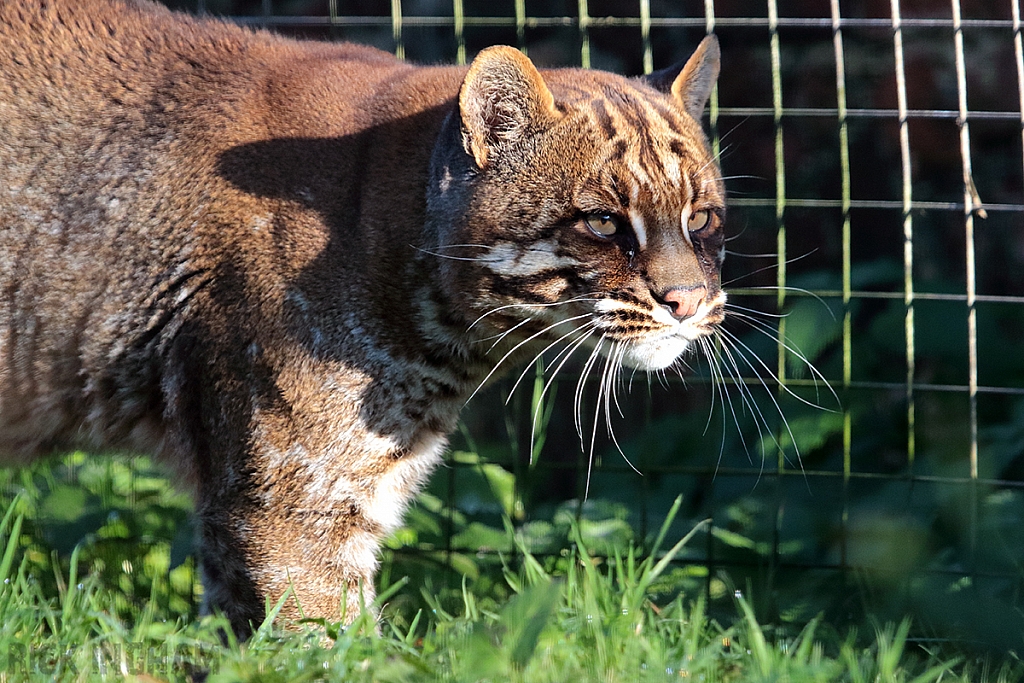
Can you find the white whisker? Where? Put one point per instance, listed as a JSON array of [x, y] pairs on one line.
[[742, 255], [618, 378], [579, 412], [770, 333], [769, 267], [499, 337], [747, 399], [737, 341], [530, 306], [742, 311], [541, 353], [717, 387], [580, 383], [612, 367], [741, 177], [455, 246], [798, 290], [567, 351], [704, 344], [518, 346], [455, 258]]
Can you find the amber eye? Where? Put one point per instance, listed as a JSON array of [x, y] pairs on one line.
[[604, 224], [698, 220]]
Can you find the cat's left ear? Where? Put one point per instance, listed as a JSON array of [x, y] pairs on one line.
[[691, 83], [503, 100]]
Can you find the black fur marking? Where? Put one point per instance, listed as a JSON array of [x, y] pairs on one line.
[[678, 148], [604, 119], [667, 116], [630, 316], [618, 152]]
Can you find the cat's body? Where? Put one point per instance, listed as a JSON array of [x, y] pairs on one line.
[[248, 255]]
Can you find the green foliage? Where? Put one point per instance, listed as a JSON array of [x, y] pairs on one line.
[[119, 516], [583, 617]]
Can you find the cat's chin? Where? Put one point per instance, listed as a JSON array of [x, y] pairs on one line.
[[654, 355]]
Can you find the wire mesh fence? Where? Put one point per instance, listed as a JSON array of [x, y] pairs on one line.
[[874, 155]]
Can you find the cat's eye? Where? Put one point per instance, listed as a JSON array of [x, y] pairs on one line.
[[604, 224], [698, 220]]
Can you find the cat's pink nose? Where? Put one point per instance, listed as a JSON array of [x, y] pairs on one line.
[[682, 302]]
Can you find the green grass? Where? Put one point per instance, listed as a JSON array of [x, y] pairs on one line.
[[119, 605]]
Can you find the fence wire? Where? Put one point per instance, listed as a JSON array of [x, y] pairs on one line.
[[876, 155]]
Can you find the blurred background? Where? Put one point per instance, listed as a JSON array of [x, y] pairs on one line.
[[858, 447]]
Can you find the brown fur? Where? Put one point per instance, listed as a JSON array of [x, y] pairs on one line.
[[245, 254]]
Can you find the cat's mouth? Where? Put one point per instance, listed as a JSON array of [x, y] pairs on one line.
[[660, 344], [654, 355]]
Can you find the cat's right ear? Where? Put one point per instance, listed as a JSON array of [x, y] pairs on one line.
[[690, 83], [503, 100]]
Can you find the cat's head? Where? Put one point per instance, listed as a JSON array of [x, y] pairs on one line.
[[581, 208]]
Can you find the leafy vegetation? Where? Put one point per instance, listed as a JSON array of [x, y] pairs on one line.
[[120, 602]]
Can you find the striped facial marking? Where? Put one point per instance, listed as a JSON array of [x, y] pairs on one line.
[[607, 231], [657, 175], [518, 260]]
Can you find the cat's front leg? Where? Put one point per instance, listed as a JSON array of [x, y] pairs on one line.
[[306, 515], [258, 545]]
